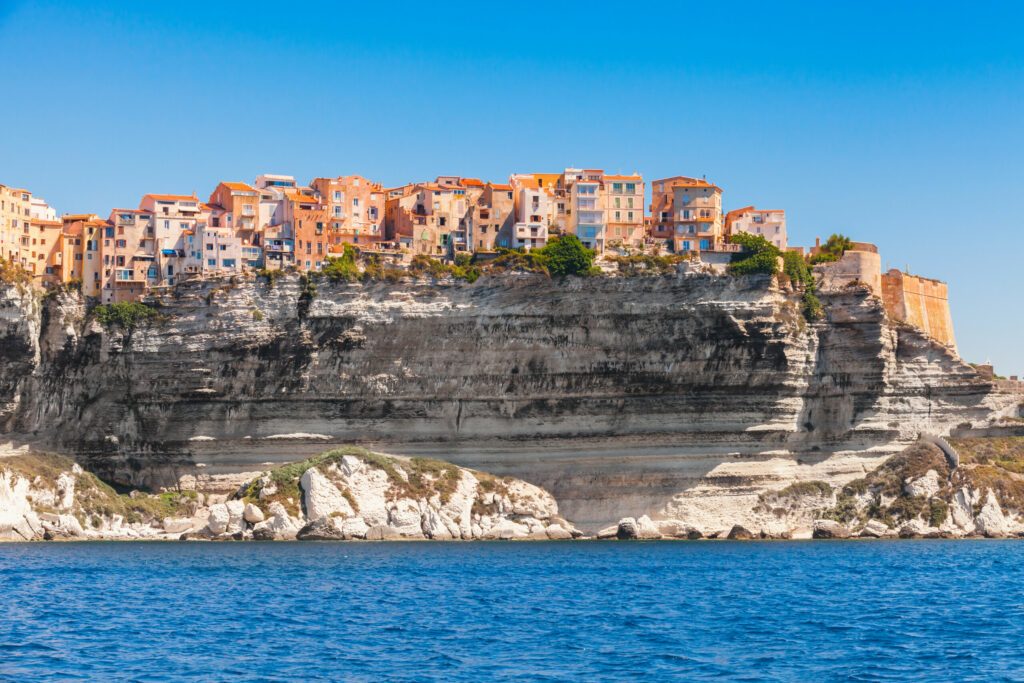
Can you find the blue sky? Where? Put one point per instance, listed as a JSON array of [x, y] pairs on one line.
[[894, 125]]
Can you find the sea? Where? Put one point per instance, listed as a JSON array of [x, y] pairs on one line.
[[918, 610]]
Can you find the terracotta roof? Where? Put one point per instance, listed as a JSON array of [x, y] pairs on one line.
[[241, 187], [172, 197], [298, 197], [501, 186], [472, 182], [684, 181], [635, 177]]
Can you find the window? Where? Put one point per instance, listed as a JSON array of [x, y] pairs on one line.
[[705, 244], [631, 188], [223, 247], [109, 232], [337, 195], [167, 225], [212, 262], [355, 202], [209, 247], [617, 188], [121, 244]]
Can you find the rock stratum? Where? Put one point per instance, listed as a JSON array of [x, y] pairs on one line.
[[684, 398]]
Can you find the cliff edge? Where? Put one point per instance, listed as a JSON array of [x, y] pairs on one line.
[[687, 395]]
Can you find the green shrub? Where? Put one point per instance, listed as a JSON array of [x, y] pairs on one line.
[[938, 512], [647, 264], [342, 267], [795, 266], [833, 249], [12, 273], [425, 265], [126, 315], [758, 255], [811, 307], [518, 260], [566, 255]]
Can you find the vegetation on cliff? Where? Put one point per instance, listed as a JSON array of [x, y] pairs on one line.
[[758, 255], [12, 273], [127, 314]]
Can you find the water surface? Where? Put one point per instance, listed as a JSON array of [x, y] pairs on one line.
[[929, 610]]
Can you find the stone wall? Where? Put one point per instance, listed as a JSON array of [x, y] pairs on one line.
[[862, 264], [921, 302]]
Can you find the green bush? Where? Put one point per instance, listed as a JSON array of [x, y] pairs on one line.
[[342, 267], [425, 265], [12, 273], [795, 266], [758, 255], [834, 248], [126, 315], [566, 255], [811, 307]]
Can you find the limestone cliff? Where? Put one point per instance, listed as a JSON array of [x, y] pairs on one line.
[[686, 396]]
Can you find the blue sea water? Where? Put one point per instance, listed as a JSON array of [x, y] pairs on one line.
[[808, 611]]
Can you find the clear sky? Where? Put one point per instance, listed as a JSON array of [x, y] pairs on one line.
[[896, 123]]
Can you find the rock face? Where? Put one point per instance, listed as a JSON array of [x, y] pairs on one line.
[[681, 397]]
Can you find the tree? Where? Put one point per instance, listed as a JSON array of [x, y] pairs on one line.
[[566, 255], [835, 246], [758, 255]]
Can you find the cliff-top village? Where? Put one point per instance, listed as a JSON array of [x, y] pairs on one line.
[[277, 224]]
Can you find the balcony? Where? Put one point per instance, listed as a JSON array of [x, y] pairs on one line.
[[127, 277], [530, 231]]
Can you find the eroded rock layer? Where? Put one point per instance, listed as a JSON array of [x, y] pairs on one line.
[[621, 396]]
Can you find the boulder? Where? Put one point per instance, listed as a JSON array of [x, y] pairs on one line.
[[321, 497], [608, 532], [556, 532], [507, 530], [915, 528], [926, 486], [279, 527], [740, 533], [65, 491], [217, 523], [646, 529], [322, 529], [252, 514], [991, 521], [627, 529], [176, 525], [236, 522], [405, 516], [673, 528], [829, 528], [876, 529], [354, 527], [435, 526]]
